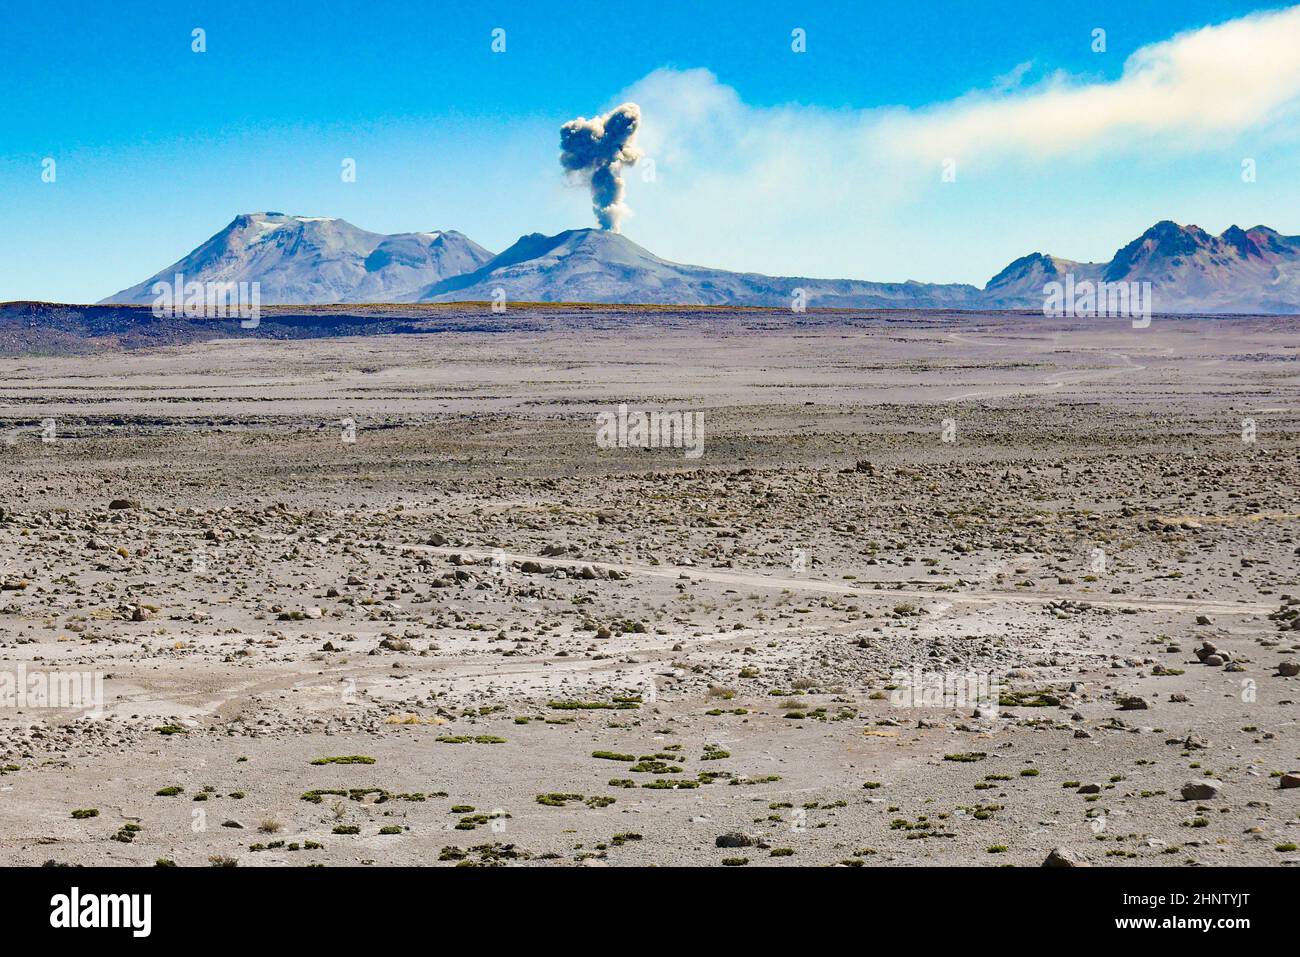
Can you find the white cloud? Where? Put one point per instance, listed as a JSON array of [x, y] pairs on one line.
[[1183, 93], [1188, 92], [1013, 77], [841, 192], [760, 166]]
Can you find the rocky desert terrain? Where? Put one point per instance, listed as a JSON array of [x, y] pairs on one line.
[[386, 600]]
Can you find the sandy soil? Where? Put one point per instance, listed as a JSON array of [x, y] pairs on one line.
[[464, 587]]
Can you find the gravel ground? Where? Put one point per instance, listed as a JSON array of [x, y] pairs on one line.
[[410, 551]]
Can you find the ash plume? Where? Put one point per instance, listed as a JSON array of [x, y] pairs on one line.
[[597, 149]]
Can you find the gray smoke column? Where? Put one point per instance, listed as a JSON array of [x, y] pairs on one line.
[[598, 149]]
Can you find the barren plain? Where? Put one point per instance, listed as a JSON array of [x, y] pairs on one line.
[[384, 599]]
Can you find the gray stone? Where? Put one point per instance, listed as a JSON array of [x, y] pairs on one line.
[[1061, 857], [1201, 790], [734, 839]]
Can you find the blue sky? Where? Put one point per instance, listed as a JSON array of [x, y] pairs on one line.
[[823, 163]]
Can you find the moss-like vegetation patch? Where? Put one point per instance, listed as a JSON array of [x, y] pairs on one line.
[[126, 834], [618, 704], [1027, 699], [613, 756], [662, 784], [317, 795], [556, 799]]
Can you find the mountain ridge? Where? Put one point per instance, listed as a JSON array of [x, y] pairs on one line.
[[591, 265], [310, 260], [320, 260]]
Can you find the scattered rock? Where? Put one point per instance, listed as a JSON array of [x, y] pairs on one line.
[[735, 839], [1201, 790], [1061, 857]]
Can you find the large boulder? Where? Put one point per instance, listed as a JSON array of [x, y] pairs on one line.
[[1062, 857], [1201, 790]]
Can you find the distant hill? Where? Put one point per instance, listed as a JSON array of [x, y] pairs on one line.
[[1190, 271], [592, 265], [1254, 270], [309, 259], [1024, 279]]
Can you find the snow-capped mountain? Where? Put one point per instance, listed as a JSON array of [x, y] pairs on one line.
[[312, 259]]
